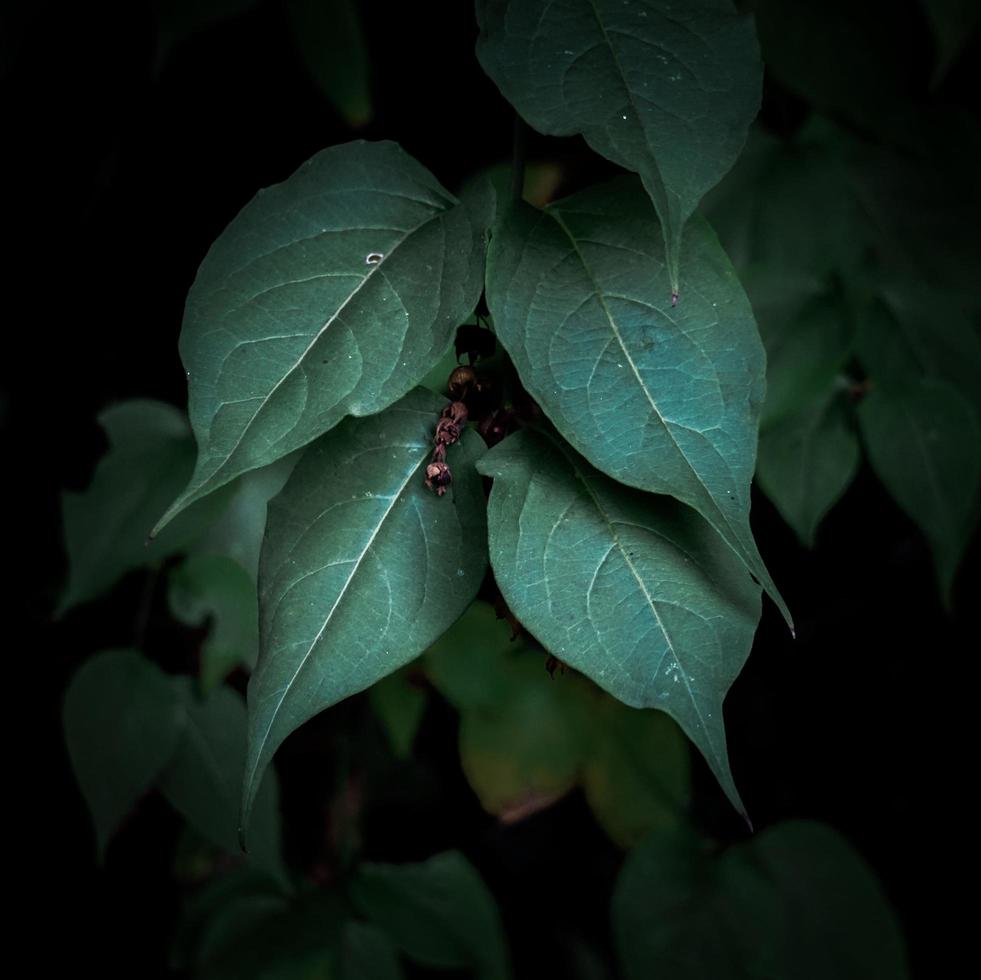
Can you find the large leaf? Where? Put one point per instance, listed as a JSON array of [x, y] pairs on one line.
[[330, 294], [439, 912], [807, 461], [365, 953], [150, 457], [122, 724], [362, 567], [214, 590], [924, 443], [665, 89], [637, 592], [795, 903], [203, 778], [662, 399]]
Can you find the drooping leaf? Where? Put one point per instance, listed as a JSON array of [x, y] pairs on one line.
[[399, 703], [238, 532], [151, 454], [330, 40], [365, 953], [924, 442], [439, 912], [526, 738], [203, 778], [122, 722], [215, 588], [662, 399], [330, 294], [635, 591], [793, 902], [807, 461], [362, 567], [665, 89]]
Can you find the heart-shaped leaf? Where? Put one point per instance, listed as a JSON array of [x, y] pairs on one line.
[[637, 592], [362, 567], [663, 399], [330, 294], [667, 90]]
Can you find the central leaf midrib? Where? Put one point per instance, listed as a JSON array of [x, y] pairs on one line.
[[330, 320], [327, 619]]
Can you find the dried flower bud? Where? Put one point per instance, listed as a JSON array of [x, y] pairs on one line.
[[438, 477], [450, 424], [461, 381]]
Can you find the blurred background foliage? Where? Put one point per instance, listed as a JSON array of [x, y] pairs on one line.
[[473, 815]]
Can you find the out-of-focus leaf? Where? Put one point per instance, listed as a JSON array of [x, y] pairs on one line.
[[924, 442], [807, 461], [362, 567], [634, 590], [365, 953], [953, 23], [215, 588], [399, 703], [439, 912], [203, 779], [329, 36], [122, 723], [794, 902], [658, 398], [666, 90], [331, 294], [150, 456]]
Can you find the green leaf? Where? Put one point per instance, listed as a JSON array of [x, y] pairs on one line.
[[399, 703], [636, 775], [151, 453], [122, 724], [520, 744], [807, 461], [362, 567], [365, 953], [238, 532], [330, 294], [667, 90], [439, 912], [662, 399], [953, 23], [215, 588], [924, 443], [793, 902], [330, 40], [202, 780], [635, 591]]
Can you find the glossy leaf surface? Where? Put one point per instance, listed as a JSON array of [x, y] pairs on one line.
[[150, 457], [439, 912], [666, 90], [362, 567], [637, 592], [122, 722], [663, 399], [796, 901], [330, 294]]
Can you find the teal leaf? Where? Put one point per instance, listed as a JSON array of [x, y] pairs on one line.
[[924, 442], [150, 456], [399, 703], [439, 912], [635, 591], [330, 294], [215, 590], [808, 460], [122, 723], [663, 399], [203, 778], [795, 901], [330, 40], [362, 567], [667, 90]]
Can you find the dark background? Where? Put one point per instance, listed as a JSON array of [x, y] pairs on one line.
[[121, 167]]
